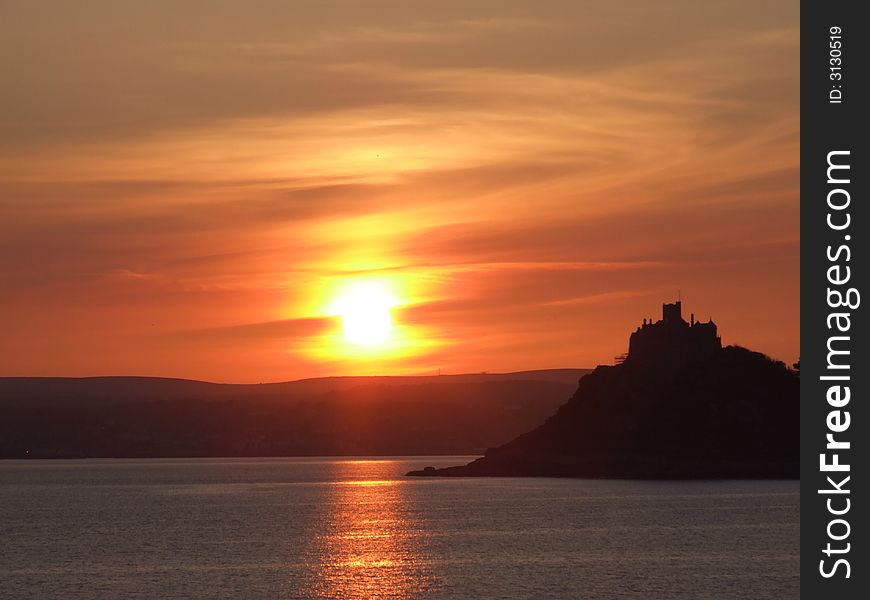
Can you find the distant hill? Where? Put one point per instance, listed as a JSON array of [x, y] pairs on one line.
[[122, 389], [158, 417], [680, 406]]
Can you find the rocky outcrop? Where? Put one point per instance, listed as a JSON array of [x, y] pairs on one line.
[[728, 413]]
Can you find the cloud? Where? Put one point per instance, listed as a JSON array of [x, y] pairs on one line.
[[518, 170], [284, 329]]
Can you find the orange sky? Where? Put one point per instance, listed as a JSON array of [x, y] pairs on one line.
[[185, 187]]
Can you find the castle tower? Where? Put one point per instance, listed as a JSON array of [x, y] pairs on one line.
[[672, 312], [672, 340]]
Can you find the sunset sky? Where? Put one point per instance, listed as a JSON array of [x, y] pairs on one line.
[[204, 189]]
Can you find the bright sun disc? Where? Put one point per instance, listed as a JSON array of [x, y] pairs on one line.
[[365, 313]]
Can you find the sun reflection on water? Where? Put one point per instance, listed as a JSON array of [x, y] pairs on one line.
[[373, 545], [369, 483]]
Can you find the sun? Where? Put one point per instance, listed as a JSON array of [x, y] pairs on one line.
[[364, 308]]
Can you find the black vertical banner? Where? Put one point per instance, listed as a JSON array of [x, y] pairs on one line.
[[835, 433]]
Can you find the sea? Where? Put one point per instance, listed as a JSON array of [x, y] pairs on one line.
[[282, 528]]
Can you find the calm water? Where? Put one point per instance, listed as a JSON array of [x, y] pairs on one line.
[[323, 528]]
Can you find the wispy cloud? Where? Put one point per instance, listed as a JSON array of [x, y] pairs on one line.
[[520, 170]]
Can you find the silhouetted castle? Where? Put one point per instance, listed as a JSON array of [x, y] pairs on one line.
[[679, 406], [672, 339]]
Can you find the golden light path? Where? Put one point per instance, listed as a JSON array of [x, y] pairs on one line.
[[373, 546]]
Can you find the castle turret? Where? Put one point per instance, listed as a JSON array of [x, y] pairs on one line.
[[672, 312]]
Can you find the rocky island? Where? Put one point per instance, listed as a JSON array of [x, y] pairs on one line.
[[677, 406]]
